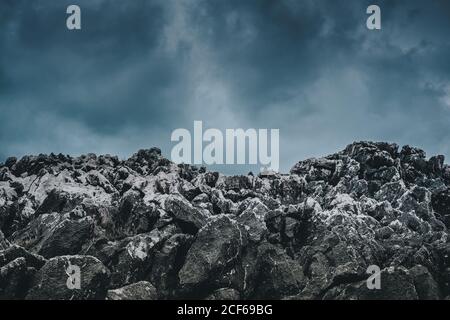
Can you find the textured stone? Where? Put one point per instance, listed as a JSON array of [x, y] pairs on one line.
[[216, 248], [142, 290], [50, 282], [183, 232]]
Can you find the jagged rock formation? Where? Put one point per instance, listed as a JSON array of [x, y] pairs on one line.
[[147, 228]]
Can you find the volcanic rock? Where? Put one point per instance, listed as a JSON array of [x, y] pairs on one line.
[[50, 282], [146, 228], [137, 291]]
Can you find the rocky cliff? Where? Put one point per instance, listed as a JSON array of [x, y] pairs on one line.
[[145, 228]]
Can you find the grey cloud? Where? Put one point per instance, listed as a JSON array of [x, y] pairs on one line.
[[139, 69]]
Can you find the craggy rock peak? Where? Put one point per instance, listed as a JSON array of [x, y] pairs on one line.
[[146, 228]]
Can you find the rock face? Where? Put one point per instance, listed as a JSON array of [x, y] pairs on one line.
[[51, 281], [217, 248], [4, 244], [142, 290], [146, 228]]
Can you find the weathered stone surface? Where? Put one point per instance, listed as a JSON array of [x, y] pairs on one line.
[[217, 247], [309, 234], [53, 235], [68, 238], [426, 286], [278, 275], [131, 259], [134, 215], [3, 242], [253, 220], [14, 279], [183, 212], [396, 284], [224, 294], [14, 251], [50, 282], [141, 290], [167, 262], [17, 267]]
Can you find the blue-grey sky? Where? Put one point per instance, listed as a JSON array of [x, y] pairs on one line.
[[140, 69]]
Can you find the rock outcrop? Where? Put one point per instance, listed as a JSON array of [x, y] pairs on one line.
[[146, 228]]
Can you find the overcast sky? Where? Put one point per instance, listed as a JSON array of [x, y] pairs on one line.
[[140, 69]]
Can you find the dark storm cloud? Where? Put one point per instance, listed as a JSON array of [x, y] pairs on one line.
[[139, 69]]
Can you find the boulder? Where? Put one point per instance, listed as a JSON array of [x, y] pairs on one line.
[[426, 287], [131, 259], [68, 238], [189, 218], [17, 267], [51, 282], [253, 220], [3, 242], [14, 279], [278, 275], [167, 262], [53, 235], [58, 201], [217, 247], [396, 284]]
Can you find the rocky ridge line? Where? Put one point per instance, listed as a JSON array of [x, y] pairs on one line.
[[146, 228]]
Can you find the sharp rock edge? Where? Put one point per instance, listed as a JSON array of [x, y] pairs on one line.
[[146, 228]]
